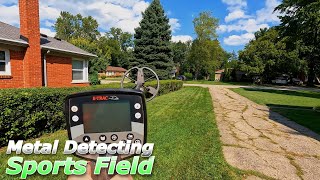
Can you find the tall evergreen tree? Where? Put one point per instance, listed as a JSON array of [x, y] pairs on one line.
[[152, 41]]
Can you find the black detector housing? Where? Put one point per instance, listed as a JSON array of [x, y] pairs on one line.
[[106, 116]]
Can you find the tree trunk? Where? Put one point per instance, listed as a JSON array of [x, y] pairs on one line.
[[311, 74], [196, 75]]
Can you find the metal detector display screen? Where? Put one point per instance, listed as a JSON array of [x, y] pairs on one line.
[[110, 116]]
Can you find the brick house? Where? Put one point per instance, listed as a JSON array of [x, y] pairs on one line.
[[219, 75], [30, 59], [112, 71]]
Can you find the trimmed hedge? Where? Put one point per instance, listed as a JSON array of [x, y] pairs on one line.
[[29, 113]]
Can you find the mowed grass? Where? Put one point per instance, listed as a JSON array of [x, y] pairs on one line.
[[217, 83], [113, 79], [295, 105], [182, 126]]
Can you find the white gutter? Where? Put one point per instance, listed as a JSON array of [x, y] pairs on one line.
[[45, 68], [48, 48], [73, 52], [14, 41]]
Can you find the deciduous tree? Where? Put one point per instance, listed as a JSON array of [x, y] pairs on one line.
[[206, 54], [269, 56], [300, 22], [69, 26]]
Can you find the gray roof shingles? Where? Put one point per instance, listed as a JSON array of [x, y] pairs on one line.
[[12, 34]]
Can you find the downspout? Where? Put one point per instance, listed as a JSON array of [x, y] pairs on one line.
[[45, 68]]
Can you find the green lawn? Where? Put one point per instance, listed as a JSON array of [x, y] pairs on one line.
[[114, 78], [217, 82], [183, 128], [295, 105]]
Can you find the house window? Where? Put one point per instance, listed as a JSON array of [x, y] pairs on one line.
[[5, 68], [79, 71]]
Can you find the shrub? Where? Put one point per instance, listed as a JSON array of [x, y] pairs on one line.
[[189, 76], [29, 113], [103, 76], [227, 75], [94, 78], [212, 77]]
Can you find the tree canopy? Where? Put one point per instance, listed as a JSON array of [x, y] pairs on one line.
[[269, 56], [205, 26], [300, 23], [152, 41], [111, 49], [69, 26], [206, 54]]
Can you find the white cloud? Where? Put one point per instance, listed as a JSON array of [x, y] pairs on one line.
[[222, 28], [235, 4], [237, 14], [266, 14], [139, 7], [238, 21], [127, 25], [10, 14], [48, 32], [248, 25], [236, 10], [174, 23], [251, 25], [237, 40], [124, 14], [182, 38], [47, 12], [48, 23]]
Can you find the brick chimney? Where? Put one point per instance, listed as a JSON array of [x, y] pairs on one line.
[[30, 28]]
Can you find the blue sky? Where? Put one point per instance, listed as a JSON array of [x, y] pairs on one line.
[[239, 19]]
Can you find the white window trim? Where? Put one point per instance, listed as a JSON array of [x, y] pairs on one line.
[[85, 72], [7, 63]]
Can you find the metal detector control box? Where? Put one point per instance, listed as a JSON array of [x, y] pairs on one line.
[[106, 116]]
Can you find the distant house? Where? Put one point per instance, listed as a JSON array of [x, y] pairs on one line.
[[174, 72], [219, 75], [30, 59], [115, 71]]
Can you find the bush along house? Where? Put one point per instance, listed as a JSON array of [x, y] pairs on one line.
[[30, 59]]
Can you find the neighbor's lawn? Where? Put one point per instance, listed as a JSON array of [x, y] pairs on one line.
[[182, 126], [217, 83], [114, 78], [295, 105]]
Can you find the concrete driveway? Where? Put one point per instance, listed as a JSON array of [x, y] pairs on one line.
[[284, 88], [257, 139]]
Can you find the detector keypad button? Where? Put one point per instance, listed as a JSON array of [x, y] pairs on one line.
[[74, 109], [137, 106], [114, 137], [86, 139], [75, 118], [130, 136], [103, 138], [137, 115]]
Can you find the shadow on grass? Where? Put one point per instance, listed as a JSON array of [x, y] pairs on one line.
[[290, 93], [277, 106], [303, 120]]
